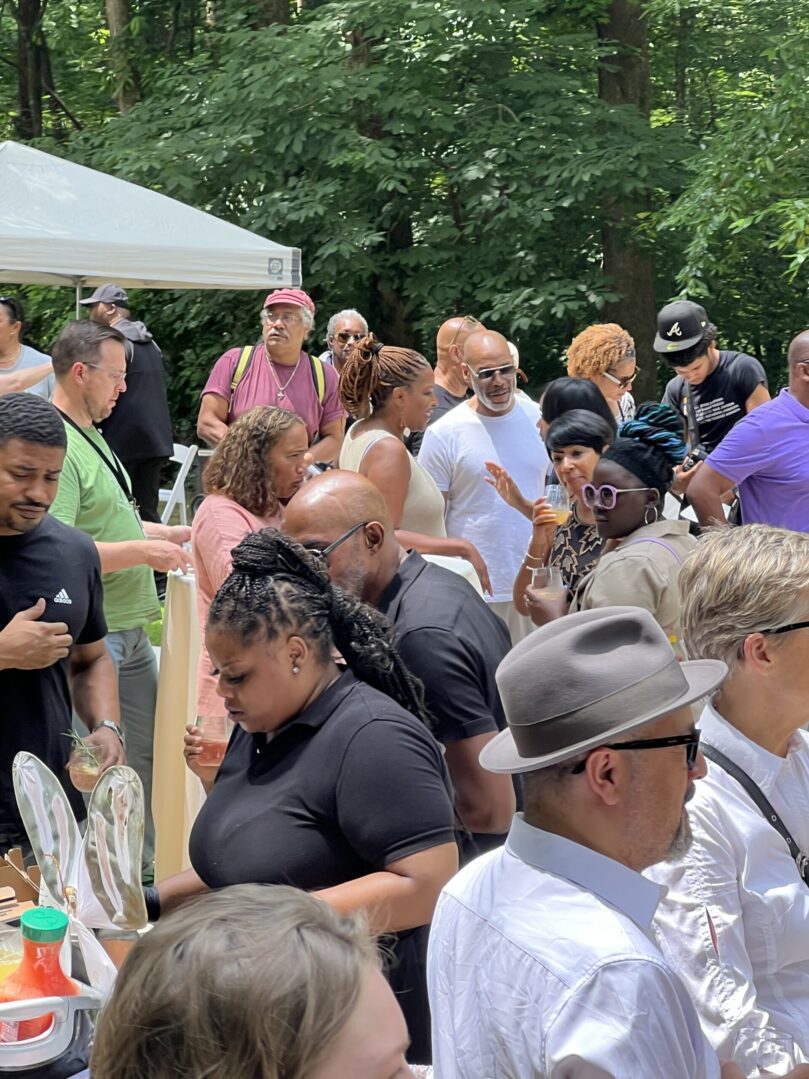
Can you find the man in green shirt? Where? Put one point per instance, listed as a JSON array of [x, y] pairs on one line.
[[95, 496]]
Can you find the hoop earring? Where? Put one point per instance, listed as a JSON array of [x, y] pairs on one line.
[[656, 517]]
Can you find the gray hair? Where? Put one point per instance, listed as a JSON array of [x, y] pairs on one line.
[[738, 581], [349, 312], [307, 318]]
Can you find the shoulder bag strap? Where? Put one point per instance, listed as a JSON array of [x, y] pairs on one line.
[[113, 464], [744, 780], [239, 371], [691, 425], [653, 539]]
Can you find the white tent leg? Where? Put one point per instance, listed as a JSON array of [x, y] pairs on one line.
[[78, 296]]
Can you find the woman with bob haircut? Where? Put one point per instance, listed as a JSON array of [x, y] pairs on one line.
[[257, 467], [566, 394], [605, 354], [252, 982]]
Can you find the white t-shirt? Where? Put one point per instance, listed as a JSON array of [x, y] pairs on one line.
[[454, 452], [29, 357]]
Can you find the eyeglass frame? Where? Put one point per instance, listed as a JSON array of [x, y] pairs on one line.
[[113, 374], [586, 487], [690, 741], [324, 552], [288, 318], [622, 382], [485, 374], [773, 632], [459, 331], [344, 336]]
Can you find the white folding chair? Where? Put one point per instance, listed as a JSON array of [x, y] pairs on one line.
[[184, 457]]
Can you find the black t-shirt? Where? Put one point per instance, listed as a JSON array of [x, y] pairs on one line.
[[59, 564], [720, 401], [452, 640], [348, 786], [139, 427]]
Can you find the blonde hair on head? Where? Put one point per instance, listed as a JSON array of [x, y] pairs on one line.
[[739, 580], [238, 467], [248, 982], [597, 349], [372, 371]]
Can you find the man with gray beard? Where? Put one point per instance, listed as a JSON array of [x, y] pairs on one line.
[[542, 960]]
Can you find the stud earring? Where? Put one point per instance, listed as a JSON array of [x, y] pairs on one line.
[[296, 669]]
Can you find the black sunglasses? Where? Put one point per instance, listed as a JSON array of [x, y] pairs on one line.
[[690, 741], [486, 373], [324, 552], [783, 629], [344, 336]]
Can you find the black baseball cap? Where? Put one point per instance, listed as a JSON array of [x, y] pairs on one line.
[[680, 325], [107, 294]]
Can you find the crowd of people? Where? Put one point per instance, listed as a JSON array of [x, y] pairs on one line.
[[517, 686]]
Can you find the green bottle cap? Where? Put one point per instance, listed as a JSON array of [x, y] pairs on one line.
[[44, 925]]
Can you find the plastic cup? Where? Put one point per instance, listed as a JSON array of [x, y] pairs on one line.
[[215, 733]]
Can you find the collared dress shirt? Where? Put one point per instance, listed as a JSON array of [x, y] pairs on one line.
[[542, 964], [735, 922]]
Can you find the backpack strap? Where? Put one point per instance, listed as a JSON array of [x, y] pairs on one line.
[[239, 371], [652, 539], [318, 377]]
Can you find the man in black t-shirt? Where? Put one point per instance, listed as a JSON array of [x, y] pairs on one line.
[[51, 614], [447, 635], [713, 389]]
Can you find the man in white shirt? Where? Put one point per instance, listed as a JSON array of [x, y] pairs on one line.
[[542, 961], [735, 922], [499, 425]]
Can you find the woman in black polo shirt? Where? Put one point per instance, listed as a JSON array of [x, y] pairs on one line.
[[331, 781]]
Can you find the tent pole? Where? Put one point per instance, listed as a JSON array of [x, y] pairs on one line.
[[78, 296]]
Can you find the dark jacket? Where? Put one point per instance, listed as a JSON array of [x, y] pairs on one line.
[[139, 426]]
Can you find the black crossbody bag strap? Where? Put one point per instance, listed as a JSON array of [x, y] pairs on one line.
[[113, 465], [744, 780]]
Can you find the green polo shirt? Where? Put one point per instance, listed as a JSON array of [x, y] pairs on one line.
[[90, 498]]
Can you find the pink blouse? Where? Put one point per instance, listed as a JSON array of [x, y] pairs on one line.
[[219, 525]]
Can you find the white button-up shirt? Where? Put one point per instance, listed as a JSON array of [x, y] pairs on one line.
[[735, 922], [542, 964]]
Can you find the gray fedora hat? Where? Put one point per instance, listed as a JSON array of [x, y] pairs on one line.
[[583, 680]]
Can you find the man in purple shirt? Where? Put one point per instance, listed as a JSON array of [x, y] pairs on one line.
[[766, 455], [278, 372]]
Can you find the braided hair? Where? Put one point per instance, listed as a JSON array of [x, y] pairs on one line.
[[371, 371], [650, 446], [276, 585]]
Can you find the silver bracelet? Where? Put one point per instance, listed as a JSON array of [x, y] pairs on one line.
[[113, 727]]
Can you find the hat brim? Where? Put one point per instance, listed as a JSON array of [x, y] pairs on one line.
[[671, 348], [500, 755], [86, 303]]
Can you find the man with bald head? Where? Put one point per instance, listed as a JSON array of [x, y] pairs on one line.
[[445, 633], [450, 388], [765, 455], [495, 424]]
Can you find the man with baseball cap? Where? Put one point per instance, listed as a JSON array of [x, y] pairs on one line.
[[713, 389], [542, 959], [276, 371]]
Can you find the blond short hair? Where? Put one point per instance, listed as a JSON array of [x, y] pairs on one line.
[[738, 581]]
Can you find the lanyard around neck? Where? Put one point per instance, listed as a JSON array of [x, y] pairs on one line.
[[113, 465]]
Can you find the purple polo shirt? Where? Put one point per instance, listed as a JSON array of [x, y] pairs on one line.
[[258, 387], [767, 456]]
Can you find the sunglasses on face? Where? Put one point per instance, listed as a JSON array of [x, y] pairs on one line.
[[690, 741], [605, 497], [774, 632], [324, 552], [488, 373], [344, 337], [622, 382]]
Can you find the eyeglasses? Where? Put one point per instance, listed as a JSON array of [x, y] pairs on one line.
[[465, 320], [622, 382], [606, 496], [324, 552], [116, 376], [288, 319], [782, 629], [487, 373], [690, 741], [344, 336]]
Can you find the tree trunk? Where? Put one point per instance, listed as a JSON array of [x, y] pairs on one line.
[[127, 83], [623, 79], [28, 15], [685, 24], [272, 12]]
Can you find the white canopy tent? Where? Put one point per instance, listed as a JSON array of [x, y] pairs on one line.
[[64, 224]]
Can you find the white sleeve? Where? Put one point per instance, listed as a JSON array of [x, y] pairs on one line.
[[631, 1018], [435, 457], [701, 930]]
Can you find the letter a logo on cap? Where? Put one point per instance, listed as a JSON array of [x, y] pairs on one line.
[[675, 330]]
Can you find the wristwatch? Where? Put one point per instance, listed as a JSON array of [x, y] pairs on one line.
[[113, 727]]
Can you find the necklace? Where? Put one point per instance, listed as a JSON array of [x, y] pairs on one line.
[[282, 389], [4, 363]]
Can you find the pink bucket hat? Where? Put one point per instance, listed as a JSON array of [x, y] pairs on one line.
[[294, 296]]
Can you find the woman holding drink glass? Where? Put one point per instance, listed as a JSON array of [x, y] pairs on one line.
[[331, 781]]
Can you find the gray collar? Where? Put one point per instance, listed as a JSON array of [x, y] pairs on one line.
[[619, 886]]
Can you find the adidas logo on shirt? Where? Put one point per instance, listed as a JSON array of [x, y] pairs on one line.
[[62, 597]]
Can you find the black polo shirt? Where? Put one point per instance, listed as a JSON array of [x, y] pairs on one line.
[[453, 641], [353, 783], [59, 564]]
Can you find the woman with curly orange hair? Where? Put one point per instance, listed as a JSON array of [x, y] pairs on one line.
[[605, 354], [256, 468]]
